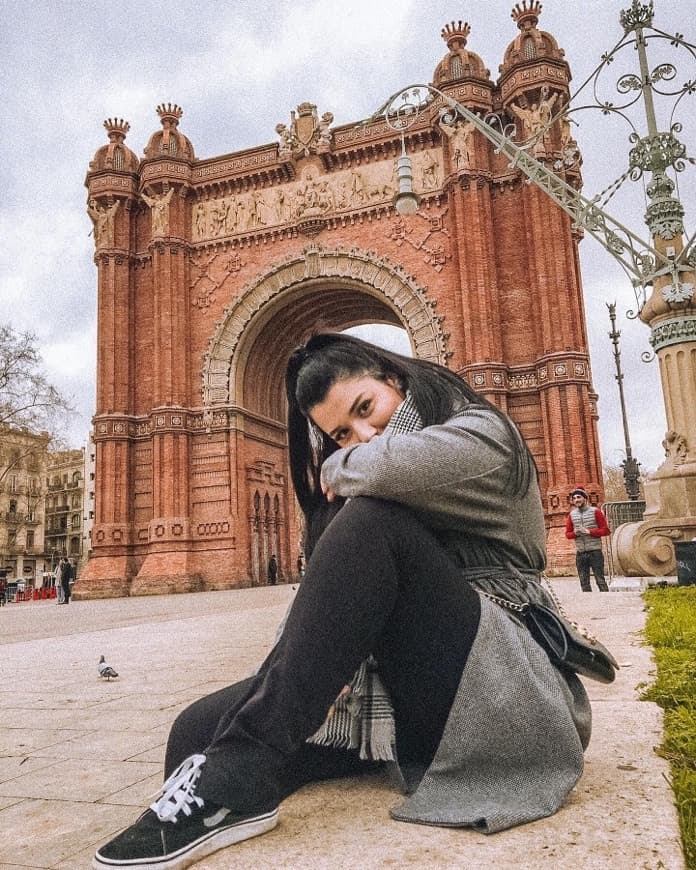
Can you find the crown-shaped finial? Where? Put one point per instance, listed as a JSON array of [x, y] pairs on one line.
[[526, 12], [455, 34], [170, 112], [117, 126]]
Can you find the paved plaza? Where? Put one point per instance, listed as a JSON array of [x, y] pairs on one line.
[[80, 756]]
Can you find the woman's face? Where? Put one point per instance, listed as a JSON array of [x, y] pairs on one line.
[[357, 409]]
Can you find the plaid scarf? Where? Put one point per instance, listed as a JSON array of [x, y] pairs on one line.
[[362, 717]]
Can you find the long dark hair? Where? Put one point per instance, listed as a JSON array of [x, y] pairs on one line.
[[326, 358]]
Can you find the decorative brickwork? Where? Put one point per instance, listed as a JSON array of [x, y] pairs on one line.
[[211, 271]]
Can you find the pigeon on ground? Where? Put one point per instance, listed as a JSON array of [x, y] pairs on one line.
[[105, 670]]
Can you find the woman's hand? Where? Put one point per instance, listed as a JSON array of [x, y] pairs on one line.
[[328, 492]]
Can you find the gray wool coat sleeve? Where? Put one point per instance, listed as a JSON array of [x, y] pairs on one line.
[[457, 471]]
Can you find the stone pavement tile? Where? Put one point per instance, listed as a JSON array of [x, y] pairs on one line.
[[139, 795], [18, 765], [48, 700], [23, 741], [123, 720], [156, 754], [144, 701], [9, 801], [73, 780], [48, 720], [43, 834], [102, 745]]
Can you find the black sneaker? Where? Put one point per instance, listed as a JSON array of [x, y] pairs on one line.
[[179, 828]]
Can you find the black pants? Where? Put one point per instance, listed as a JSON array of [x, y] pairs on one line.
[[378, 582], [591, 559]]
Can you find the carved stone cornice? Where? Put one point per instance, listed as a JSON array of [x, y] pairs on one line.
[[673, 330], [534, 73], [110, 183], [165, 169], [551, 371]]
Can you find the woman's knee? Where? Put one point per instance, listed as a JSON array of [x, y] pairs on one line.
[[379, 513]]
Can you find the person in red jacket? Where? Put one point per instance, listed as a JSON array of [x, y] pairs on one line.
[[587, 525]]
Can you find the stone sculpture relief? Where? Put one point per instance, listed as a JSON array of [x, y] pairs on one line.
[[461, 139], [423, 233], [535, 120], [209, 273], [312, 195], [675, 447], [159, 207], [103, 219], [307, 133]]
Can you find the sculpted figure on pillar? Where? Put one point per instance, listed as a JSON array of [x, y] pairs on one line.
[[103, 220], [460, 136], [159, 206], [535, 121]]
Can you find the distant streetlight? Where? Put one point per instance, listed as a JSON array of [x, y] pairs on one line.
[[630, 465]]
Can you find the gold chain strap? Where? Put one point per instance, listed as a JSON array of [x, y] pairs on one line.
[[586, 633]]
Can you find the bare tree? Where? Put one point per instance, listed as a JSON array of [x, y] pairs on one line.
[[27, 399], [615, 485]]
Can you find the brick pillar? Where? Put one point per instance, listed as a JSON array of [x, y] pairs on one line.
[[111, 565], [167, 567], [568, 400]]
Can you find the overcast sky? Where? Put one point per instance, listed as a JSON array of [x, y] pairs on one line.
[[238, 68]]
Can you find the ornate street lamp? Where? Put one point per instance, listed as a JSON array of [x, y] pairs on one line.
[[661, 271]]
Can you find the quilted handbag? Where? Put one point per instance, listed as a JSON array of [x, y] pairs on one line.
[[564, 643]]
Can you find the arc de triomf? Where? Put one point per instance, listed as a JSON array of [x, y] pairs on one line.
[[211, 270]]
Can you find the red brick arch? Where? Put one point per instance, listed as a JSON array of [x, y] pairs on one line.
[[329, 288]]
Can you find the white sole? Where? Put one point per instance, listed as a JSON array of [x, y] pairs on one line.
[[206, 845]]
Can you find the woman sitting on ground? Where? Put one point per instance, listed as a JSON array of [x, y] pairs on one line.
[[389, 621]]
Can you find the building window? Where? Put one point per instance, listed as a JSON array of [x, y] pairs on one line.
[[13, 506], [11, 538], [13, 483], [76, 500], [76, 521], [30, 540]]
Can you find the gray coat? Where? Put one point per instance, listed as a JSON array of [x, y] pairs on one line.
[[512, 748]]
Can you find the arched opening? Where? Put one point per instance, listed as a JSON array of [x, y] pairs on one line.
[[244, 371], [266, 347]]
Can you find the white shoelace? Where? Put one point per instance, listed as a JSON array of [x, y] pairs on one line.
[[177, 792]]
